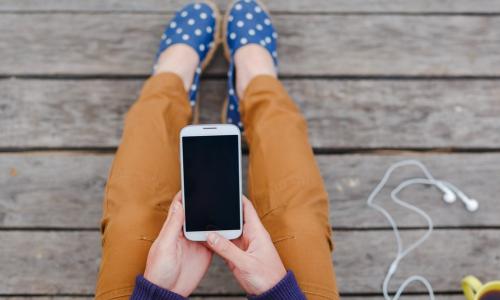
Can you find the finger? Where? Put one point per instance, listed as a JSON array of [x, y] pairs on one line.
[[177, 198], [226, 249], [250, 216], [175, 220], [253, 228]]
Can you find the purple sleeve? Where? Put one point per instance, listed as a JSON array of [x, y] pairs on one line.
[[145, 290], [286, 289]]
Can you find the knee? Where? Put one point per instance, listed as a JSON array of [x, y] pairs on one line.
[[308, 256], [291, 222], [131, 223]]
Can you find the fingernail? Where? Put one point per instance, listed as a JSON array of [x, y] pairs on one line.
[[213, 238]]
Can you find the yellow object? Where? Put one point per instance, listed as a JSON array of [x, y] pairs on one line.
[[474, 289]]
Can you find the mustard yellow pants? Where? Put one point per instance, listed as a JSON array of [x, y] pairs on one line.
[[284, 183]]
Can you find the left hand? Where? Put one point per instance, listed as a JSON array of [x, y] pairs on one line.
[[175, 263]]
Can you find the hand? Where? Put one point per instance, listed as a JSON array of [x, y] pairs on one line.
[[175, 263], [252, 258]]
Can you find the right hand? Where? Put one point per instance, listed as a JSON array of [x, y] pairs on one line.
[[252, 258]]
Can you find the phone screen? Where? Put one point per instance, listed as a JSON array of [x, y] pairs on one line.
[[211, 182]]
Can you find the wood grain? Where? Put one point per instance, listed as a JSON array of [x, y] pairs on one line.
[[56, 297], [52, 190], [282, 6], [350, 179], [48, 297], [340, 113], [404, 297], [407, 297], [65, 190], [66, 262], [355, 45]]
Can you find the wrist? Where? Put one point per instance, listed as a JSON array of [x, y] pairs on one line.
[[159, 281], [270, 281], [145, 290], [286, 289], [181, 291]]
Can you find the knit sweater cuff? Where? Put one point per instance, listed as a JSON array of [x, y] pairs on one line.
[[286, 289], [145, 290]]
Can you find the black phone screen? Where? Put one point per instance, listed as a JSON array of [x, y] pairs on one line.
[[211, 182]]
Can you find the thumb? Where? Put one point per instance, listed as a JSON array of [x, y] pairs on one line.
[[226, 249]]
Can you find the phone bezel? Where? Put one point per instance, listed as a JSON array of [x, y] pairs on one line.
[[211, 130]]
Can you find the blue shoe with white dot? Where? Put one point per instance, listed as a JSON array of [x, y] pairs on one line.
[[246, 22], [196, 25]]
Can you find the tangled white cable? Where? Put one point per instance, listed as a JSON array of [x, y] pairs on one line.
[[450, 193]]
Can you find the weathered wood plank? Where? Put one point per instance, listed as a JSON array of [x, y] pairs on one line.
[[407, 297], [55, 297], [48, 262], [66, 262], [61, 190], [411, 297], [89, 298], [350, 179], [52, 190], [362, 257], [294, 6], [46, 298], [390, 45], [341, 114]]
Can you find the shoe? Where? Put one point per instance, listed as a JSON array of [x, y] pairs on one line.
[[196, 25], [246, 22]]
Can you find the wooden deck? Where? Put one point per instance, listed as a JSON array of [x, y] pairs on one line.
[[378, 81]]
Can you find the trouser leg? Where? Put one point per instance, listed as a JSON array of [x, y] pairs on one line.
[[143, 179], [286, 187]]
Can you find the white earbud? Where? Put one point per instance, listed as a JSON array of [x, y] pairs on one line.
[[470, 204], [448, 196]]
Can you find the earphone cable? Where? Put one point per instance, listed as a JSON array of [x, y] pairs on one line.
[[401, 252]]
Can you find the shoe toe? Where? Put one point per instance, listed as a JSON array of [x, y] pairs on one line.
[[249, 23], [193, 25]]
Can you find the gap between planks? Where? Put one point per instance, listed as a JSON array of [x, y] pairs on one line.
[[335, 229], [221, 76], [317, 150]]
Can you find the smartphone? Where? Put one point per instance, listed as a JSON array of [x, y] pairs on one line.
[[210, 157]]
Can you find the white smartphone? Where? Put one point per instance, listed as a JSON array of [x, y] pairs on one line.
[[210, 157]]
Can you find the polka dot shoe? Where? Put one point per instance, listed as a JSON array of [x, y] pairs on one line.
[[196, 25], [246, 22]]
